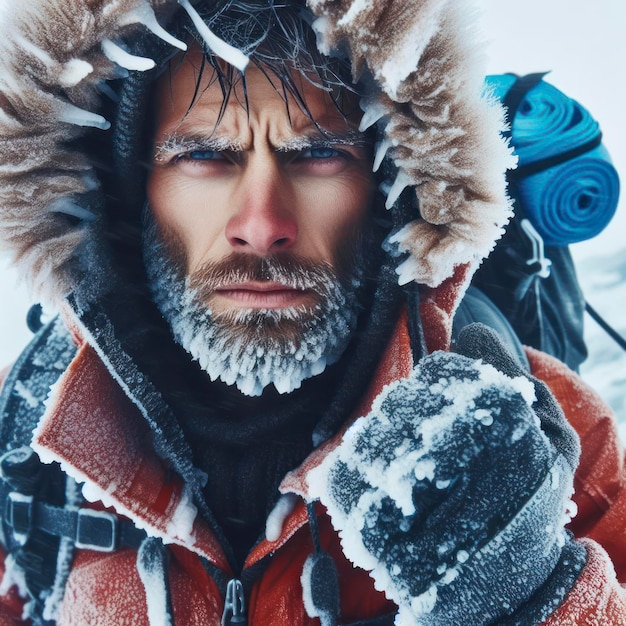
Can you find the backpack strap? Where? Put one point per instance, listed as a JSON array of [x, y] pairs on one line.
[[87, 529], [28, 383], [512, 101], [34, 554], [516, 94], [41, 518]]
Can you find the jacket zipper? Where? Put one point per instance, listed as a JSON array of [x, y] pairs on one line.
[[234, 604]]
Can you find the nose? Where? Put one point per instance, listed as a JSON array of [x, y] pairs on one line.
[[264, 220]]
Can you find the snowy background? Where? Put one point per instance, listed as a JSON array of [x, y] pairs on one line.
[[583, 45]]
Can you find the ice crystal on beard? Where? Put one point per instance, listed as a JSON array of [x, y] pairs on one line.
[[236, 348]]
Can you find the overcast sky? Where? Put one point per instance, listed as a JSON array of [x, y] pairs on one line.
[[582, 43]]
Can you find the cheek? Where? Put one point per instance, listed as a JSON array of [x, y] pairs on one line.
[[183, 207], [341, 208], [164, 199]]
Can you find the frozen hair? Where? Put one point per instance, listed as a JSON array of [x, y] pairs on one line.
[[278, 38]]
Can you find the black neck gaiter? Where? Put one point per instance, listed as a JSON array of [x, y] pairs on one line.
[[245, 446]]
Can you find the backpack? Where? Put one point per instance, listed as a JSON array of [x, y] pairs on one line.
[[565, 190]]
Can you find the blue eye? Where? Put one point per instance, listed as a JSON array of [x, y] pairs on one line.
[[321, 153], [204, 155]]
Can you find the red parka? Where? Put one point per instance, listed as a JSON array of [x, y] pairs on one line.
[[99, 437]]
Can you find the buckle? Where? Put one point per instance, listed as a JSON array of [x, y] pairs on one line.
[[18, 515], [96, 530], [539, 261]]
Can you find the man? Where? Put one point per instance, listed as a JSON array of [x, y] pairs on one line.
[[233, 430]]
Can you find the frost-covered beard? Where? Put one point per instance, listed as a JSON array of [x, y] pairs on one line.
[[249, 347]]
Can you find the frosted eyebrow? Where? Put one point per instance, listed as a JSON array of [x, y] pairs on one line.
[[180, 144], [326, 140]]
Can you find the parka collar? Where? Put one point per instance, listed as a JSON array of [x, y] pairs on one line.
[[100, 438]]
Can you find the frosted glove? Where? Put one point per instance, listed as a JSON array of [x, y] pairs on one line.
[[454, 495]]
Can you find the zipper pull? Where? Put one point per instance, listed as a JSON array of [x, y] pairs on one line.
[[234, 604]]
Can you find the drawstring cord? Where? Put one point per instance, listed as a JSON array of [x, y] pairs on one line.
[[320, 581]]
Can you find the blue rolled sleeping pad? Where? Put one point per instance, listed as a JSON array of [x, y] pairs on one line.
[[565, 181]]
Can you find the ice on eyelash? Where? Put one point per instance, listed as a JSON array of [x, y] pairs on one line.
[[174, 146], [179, 145], [299, 144]]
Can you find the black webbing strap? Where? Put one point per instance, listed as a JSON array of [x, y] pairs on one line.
[[86, 528], [528, 169], [608, 329]]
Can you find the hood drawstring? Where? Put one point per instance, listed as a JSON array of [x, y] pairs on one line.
[[152, 565], [320, 580]]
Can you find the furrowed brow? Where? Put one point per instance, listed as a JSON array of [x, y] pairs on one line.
[[177, 144]]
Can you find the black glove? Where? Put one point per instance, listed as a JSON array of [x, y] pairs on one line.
[[453, 492]]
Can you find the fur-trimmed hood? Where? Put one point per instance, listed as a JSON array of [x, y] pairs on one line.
[[441, 134]]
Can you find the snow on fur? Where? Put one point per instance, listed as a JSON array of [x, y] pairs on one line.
[[441, 132], [52, 62]]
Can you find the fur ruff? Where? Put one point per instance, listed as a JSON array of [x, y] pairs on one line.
[[440, 131]]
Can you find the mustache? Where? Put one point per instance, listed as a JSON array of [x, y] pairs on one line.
[[287, 269]]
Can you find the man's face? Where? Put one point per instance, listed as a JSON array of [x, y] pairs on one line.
[[260, 214], [258, 183]]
